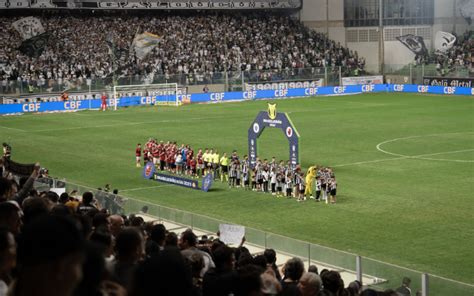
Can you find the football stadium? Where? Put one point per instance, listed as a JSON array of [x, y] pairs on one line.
[[237, 147]]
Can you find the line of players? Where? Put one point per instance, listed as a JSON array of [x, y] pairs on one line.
[[277, 178]]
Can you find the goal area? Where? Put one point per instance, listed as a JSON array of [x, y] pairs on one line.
[[154, 94]]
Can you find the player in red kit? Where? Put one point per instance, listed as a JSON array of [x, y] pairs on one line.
[[103, 106], [138, 154]]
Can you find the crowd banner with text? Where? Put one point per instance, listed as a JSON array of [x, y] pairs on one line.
[[356, 80], [448, 81], [283, 85], [33, 107], [231, 234], [151, 4]]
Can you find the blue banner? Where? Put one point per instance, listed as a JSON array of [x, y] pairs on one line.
[[234, 96], [207, 182], [149, 170], [188, 183]]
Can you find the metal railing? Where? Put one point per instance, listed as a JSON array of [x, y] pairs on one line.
[[232, 80], [384, 275]]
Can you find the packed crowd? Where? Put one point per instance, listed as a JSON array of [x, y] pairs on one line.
[[68, 245], [459, 56], [279, 178], [202, 44]]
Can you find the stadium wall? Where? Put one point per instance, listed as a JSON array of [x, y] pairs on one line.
[[330, 20], [38, 107]]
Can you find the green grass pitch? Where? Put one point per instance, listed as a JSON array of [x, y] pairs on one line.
[[404, 163]]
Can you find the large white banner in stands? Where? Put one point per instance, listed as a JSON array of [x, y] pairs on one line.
[[231, 234], [283, 85], [362, 80]]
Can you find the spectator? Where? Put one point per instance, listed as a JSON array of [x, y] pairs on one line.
[[187, 243], [404, 289], [222, 279], [270, 284], [101, 222], [129, 250], [116, 224], [156, 240], [10, 217], [332, 282], [86, 205], [171, 240], [270, 255], [309, 284], [7, 259], [313, 269], [249, 281], [165, 274], [50, 254], [293, 270]]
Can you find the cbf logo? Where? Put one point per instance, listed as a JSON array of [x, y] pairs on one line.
[[272, 113]]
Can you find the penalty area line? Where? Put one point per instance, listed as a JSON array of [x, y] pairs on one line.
[[418, 157]]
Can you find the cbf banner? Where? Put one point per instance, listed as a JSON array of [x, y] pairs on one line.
[[144, 43], [444, 41], [272, 118], [414, 43], [28, 27]]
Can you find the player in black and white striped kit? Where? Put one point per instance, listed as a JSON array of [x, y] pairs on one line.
[[246, 172], [232, 174], [318, 188], [332, 190]]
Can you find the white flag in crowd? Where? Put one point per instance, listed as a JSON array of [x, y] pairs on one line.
[[444, 41], [29, 27], [144, 43]]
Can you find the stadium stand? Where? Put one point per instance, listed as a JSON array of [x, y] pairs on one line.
[[77, 49]]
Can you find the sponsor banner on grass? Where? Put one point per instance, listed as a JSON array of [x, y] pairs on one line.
[[448, 81], [207, 182], [128, 101], [362, 80], [175, 180]]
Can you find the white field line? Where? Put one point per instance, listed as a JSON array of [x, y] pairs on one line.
[[402, 156], [135, 123], [13, 129], [148, 187], [421, 156]]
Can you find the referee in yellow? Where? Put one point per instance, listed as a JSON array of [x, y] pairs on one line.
[[224, 162]]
